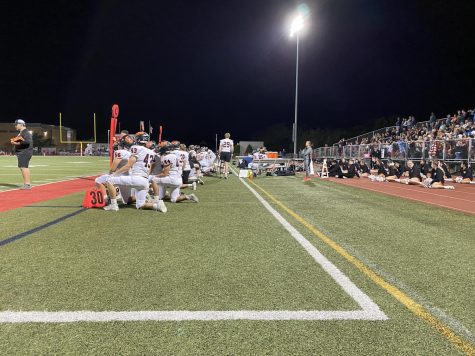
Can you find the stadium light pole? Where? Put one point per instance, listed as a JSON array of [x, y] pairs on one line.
[[295, 28]]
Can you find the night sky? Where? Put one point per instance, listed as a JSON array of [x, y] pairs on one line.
[[205, 67]]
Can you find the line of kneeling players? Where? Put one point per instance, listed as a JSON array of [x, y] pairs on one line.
[[429, 175], [147, 174]]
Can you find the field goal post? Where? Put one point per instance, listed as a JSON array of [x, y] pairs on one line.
[[75, 142]]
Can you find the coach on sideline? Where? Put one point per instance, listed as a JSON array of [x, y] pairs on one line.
[[23, 144]]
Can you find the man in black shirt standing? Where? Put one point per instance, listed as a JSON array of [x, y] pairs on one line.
[[23, 144]]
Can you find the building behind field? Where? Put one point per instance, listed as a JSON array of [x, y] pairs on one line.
[[45, 136]]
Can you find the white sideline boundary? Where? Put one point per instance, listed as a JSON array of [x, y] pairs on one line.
[[366, 303], [369, 309]]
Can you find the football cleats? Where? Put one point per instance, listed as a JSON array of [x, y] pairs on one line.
[[142, 138]]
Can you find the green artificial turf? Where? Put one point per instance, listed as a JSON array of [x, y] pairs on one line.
[[196, 257], [45, 169], [229, 253], [430, 250]]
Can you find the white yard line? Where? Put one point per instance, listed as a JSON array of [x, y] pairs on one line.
[[441, 314], [369, 311], [31, 166], [178, 315], [341, 279]]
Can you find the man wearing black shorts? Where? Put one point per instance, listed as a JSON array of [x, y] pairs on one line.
[[23, 144], [226, 149]]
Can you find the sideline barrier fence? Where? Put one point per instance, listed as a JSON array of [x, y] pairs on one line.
[[447, 150]]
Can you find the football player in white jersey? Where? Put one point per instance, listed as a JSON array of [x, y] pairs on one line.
[[205, 158], [184, 164], [121, 156], [194, 162], [211, 157], [201, 158], [171, 175], [138, 166], [225, 152]]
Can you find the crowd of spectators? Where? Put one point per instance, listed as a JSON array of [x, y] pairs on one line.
[[443, 138]]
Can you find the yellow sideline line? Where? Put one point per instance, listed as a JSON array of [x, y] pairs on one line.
[[402, 297]]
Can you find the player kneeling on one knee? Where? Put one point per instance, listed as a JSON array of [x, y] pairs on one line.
[[138, 165], [170, 177]]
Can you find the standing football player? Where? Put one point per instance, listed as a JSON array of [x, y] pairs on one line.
[[225, 153]]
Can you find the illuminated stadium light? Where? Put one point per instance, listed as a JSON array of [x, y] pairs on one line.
[[297, 25]]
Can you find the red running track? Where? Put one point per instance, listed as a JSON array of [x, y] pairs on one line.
[[13, 199], [461, 199]]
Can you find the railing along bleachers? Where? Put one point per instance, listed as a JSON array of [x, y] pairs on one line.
[[447, 150]]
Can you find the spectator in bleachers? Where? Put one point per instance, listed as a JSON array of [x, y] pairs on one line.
[[445, 138], [459, 124], [432, 120], [461, 147]]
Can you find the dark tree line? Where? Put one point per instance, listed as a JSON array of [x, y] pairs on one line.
[[279, 136]]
